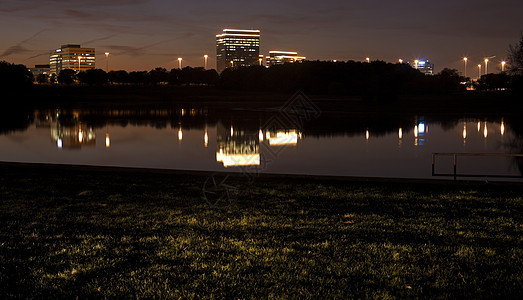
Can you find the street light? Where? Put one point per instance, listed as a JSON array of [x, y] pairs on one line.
[[465, 59], [400, 61], [107, 61], [479, 71], [486, 66], [232, 63], [205, 57], [179, 63], [416, 63], [261, 61], [503, 66], [367, 59]]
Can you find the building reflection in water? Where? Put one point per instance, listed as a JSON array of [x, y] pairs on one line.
[[237, 148], [419, 132], [485, 130], [400, 137], [283, 138], [464, 132], [70, 133]]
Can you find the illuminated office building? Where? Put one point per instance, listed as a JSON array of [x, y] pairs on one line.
[[424, 66], [283, 57], [237, 48], [71, 57], [40, 69]]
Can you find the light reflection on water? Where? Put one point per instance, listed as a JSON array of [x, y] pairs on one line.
[[191, 139]]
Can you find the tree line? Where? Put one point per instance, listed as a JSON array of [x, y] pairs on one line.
[[185, 76]]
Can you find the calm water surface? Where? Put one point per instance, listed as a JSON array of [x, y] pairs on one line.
[[198, 139]]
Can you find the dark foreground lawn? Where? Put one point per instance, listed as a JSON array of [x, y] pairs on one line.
[[91, 233]]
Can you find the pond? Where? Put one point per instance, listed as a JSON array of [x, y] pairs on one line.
[[265, 141]]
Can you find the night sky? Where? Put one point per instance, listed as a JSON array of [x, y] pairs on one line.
[[143, 34]]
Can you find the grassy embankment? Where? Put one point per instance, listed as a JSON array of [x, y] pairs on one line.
[[89, 232]]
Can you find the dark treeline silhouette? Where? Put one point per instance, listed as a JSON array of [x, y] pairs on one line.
[[373, 79], [157, 76], [14, 77]]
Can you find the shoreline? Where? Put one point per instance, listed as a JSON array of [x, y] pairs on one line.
[[262, 176]]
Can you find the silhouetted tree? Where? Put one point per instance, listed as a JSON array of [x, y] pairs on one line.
[[490, 82], [448, 80], [173, 77], [139, 77], [211, 77], [93, 77], [119, 77], [66, 76], [515, 59], [158, 75], [42, 78], [14, 77]]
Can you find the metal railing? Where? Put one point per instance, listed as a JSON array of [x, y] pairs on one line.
[[455, 156]]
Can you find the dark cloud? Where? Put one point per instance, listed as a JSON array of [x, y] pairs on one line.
[[16, 49], [99, 39], [19, 48], [143, 50], [38, 55], [78, 14]]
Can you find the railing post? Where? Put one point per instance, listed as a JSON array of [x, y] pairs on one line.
[[433, 157], [455, 163]]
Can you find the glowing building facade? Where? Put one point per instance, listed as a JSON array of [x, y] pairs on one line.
[[40, 70], [424, 66], [71, 57], [236, 48], [283, 57]]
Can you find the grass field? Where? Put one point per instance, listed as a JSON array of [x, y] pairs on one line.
[[94, 232]]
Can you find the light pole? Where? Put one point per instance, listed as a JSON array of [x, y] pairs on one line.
[[179, 63], [367, 59], [479, 71], [107, 62], [205, 57], [416, 63], [503, 66], [260, 60], [465, 59], [232, 63], [400, 61], [486, 66]]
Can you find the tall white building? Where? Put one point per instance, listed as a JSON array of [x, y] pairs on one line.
[[237, 48]]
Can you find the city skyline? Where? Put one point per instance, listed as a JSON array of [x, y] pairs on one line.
[[141, 35]]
